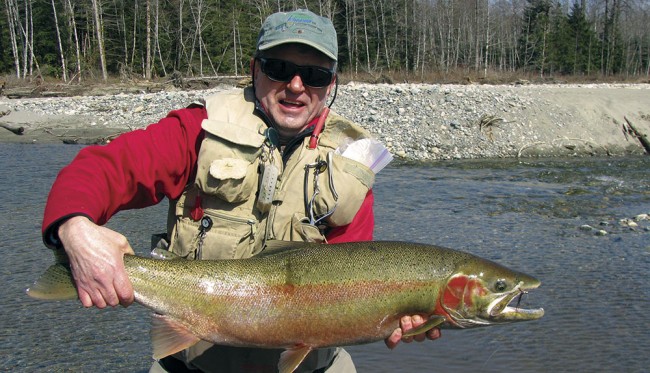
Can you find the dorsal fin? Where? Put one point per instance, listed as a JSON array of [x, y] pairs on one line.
[[159, 253], [279, 246]]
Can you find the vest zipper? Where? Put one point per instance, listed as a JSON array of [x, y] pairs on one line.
[[250, 222]]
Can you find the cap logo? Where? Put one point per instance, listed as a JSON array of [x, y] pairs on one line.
[[298, 19]]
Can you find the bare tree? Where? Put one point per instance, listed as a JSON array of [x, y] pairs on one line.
[[99, 30], [157, 38], [487, 39], [73, 26], [29, 58], [58, 38], [365, 33], [10, 7], [134, 47], [147, 70]]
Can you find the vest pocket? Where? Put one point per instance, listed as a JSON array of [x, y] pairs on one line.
[[301, 230], [232, 187], [229, 237], [352, 179], [228, 161]]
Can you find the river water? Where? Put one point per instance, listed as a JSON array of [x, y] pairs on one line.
[[526, 214]]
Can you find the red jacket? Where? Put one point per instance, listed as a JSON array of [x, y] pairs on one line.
[[140, 168]]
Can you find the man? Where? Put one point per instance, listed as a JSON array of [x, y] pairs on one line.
[[240, 169]]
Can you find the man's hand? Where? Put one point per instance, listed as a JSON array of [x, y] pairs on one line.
[[407, 323], [97, 262]]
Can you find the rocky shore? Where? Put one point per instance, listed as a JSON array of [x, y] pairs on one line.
[[416, 121]]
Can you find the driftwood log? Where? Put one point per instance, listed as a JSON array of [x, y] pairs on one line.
[[643, 138], [89, 141], [15, 130]]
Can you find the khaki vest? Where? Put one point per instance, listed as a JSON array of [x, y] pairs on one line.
[[231, 160]]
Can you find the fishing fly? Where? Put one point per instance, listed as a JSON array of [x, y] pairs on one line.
[[521, 295]]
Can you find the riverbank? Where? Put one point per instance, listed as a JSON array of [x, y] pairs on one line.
[[415, 121]]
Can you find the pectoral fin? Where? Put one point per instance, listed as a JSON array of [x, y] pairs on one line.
[[168, 337], [291, 358], [430, 324]]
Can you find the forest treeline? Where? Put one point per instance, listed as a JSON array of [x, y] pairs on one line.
[[73, 40]]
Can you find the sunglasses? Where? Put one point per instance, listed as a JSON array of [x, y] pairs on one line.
[[284, 71]]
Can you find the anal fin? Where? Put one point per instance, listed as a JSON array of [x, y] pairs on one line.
[[169, 336], [291, 358]]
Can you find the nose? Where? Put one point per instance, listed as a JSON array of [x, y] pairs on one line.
[[295, 84]]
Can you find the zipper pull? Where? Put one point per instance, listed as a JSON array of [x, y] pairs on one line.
[[269, 172], [206, 224]]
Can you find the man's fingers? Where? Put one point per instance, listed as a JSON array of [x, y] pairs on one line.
[[434, 333], [84, 297], [97, 299], [124, 290], [128, 250], [406, 323], [416, 321], [393, 340], [96, 259], [110, 297]]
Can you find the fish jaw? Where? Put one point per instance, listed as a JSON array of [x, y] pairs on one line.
[[500, 310], [471, 300]]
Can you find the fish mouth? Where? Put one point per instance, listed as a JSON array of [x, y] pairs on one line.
[[501, 310]]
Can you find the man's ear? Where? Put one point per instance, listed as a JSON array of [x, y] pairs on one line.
[[252, 67], [332, 84]]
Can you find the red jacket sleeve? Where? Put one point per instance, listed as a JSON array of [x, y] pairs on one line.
[[362, 225], [137, 169]]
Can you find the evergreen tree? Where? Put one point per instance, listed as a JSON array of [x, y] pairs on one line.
[[533, 43], [583, 52]]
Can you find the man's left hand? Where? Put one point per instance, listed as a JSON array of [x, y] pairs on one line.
[[407, 323]]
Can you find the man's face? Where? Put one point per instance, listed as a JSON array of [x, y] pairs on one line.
[[292, 105]]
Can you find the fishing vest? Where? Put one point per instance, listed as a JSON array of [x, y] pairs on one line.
[[245, 194]]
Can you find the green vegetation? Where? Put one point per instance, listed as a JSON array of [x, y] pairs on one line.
[[380, 40]]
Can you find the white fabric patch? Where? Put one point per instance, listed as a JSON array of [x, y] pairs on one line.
[[228, 168]]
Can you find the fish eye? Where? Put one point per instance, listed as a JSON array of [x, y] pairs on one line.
[[501, 285]]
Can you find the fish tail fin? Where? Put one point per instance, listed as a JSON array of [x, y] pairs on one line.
[[55, 284]]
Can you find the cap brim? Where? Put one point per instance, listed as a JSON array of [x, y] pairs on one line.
[[301, 41]]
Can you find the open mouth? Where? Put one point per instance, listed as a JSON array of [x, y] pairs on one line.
[[290, 103], [500, 309]]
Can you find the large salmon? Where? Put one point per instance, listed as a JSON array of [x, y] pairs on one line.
[[302, 296]]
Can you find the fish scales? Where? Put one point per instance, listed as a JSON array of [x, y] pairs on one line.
[[308, 296], [324, 292]]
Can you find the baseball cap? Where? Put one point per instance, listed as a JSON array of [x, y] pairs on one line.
[[299, 26]]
